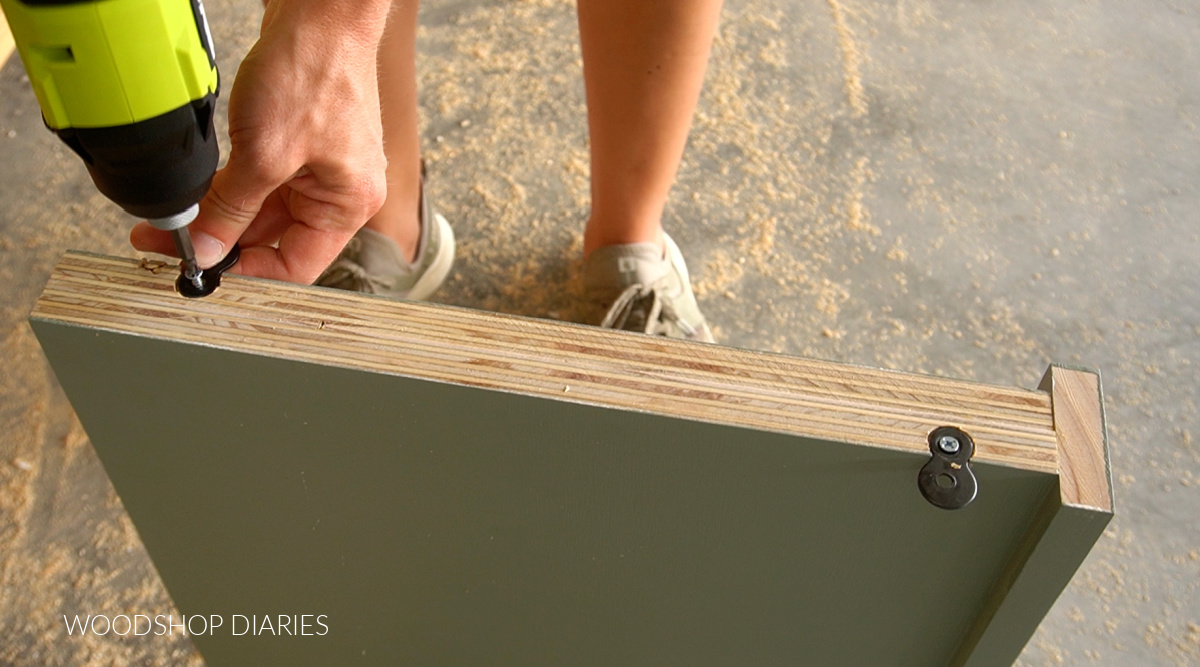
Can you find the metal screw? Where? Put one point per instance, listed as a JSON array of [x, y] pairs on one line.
[[949, 444]]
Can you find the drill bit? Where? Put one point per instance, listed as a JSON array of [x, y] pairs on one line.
[[177, 225], [183, 244]]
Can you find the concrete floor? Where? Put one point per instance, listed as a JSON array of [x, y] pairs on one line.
[[967, 189]]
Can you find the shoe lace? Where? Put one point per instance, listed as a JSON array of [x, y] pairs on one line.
[[347, 274], [645, 309]]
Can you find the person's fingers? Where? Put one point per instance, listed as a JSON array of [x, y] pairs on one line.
[[232, 203], [272, 221], [148, 239], [303, 254], [266, 228], [336, 195]]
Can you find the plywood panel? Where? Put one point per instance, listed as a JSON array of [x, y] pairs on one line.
[[453, 486]]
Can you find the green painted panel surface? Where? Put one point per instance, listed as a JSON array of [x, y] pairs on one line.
[[436, 523], [1059, 551]]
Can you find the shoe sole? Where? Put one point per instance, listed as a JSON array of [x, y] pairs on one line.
[[436, 274]]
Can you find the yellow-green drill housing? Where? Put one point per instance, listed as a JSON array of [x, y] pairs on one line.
[[131, 87], [108, 63]]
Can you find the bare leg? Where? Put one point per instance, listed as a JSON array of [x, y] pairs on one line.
[[643, 63], [398, 101]]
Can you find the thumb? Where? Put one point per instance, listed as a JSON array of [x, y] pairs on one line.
[[233, 202]]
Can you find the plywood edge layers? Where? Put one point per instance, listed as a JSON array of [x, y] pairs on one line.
[[715, 384]]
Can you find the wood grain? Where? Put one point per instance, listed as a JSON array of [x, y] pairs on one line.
[[1077, 404], [1011, 427]]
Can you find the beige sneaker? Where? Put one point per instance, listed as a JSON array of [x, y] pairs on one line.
[[649, 291], [372, 262]]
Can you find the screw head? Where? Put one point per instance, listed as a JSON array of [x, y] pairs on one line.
[[949, 444]]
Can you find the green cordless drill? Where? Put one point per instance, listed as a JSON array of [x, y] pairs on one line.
[[131, 87]]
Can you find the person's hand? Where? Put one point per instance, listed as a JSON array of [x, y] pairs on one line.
[[306, 165]]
